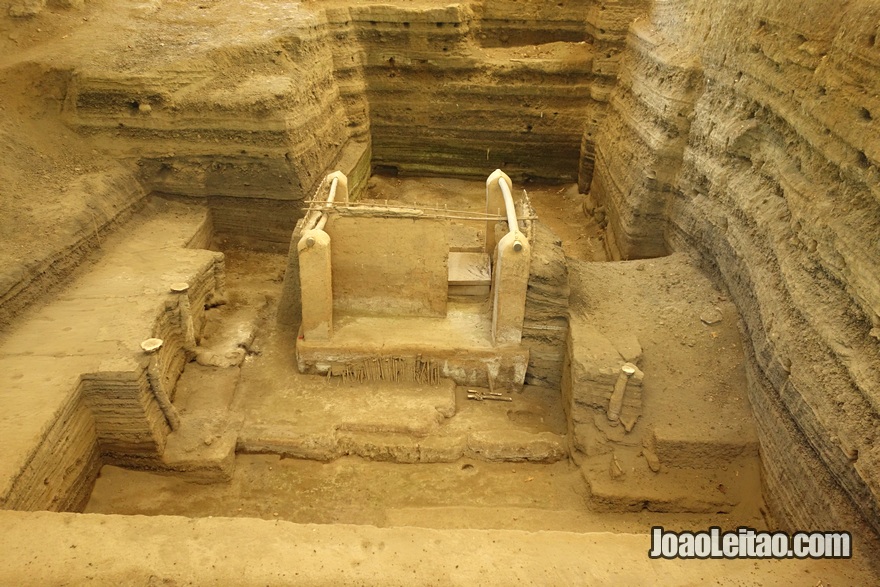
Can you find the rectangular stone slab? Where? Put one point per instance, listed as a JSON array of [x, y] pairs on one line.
[[469, 269]]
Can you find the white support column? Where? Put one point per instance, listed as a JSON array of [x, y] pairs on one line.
[[316, 285], [509, 284]]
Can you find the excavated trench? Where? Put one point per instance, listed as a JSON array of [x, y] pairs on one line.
[[311, 450], [702, 214]]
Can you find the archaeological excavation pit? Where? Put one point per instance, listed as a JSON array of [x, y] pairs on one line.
[[410, 293]]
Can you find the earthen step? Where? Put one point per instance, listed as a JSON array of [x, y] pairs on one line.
[[469, 274], [678, 448], [494, 445], [516, 446], [203, 448], [491, 517], [635, 487], [468, 291]]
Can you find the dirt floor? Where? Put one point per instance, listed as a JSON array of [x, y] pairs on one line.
[[464, 494]]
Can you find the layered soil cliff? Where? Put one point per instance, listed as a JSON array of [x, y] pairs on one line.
[[747, 132]]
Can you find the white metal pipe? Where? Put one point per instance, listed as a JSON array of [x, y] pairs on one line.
[[512, 224], [319, 219], [314, 215], [508, 205], [332, 195], [322, 222]]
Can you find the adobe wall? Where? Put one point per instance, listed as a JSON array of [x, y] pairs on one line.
[[393, 266]]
